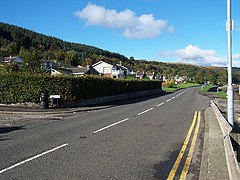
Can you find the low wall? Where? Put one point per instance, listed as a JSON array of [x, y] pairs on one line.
[[106, 99]]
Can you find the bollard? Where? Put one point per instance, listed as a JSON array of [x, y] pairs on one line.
[[44, 100]]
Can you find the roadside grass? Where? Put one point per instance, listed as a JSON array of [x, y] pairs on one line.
[[221, 95], [179, 86], [207, 90]]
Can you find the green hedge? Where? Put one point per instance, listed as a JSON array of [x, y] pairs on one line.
[[16, 88]]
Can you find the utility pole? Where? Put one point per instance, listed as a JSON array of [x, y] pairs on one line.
[[229, 28]]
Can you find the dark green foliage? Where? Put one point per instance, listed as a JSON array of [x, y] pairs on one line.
[[20, 88], [31, 45]]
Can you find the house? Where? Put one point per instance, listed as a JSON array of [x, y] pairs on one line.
[[164, 78], [105, 69], [54, 69], [120, 71], [141, 75], [158, 76], [81, 71], [131, 72], [151, 75], [73, 71], [11, 59], [180, 79], [57, 69]]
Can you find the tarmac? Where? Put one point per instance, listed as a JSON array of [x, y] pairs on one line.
[[219, 159]]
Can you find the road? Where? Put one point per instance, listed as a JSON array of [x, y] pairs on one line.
[[140, 138]]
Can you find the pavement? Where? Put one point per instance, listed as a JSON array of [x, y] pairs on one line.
[[38, 111], [218, 160]]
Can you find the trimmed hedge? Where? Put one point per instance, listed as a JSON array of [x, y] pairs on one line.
[[16, 88]]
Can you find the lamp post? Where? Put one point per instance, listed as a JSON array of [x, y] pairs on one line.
[[230, 87]]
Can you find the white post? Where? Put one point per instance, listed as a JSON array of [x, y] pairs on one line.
[[230, 87]]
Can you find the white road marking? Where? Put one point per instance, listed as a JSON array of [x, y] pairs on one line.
[[160, 104], [106, 127], [32, 158], [168, 100], [145, 111], [110, 125]]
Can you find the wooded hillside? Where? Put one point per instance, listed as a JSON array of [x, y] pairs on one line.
[[35, 48]]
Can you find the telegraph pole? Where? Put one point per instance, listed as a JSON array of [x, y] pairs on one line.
[[229, 28]]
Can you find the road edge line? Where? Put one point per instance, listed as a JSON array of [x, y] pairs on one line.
[[183, 149], [191, 150]]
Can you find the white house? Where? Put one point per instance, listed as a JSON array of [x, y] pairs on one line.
[[180, 78], [120, 71], [103, 68], [164, 78], [151, 75], [141, 75]]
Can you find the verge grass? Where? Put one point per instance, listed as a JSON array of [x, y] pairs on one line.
[[207, 90], [179, 86]]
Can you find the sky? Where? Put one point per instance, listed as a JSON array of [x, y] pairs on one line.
[[160, 30]]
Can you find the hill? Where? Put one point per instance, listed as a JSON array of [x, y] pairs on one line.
[[16, 41], [35, 48]]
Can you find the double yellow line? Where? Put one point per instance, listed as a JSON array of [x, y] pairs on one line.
[[197, 117]]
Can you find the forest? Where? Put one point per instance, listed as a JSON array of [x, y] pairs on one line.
[[35, 48]]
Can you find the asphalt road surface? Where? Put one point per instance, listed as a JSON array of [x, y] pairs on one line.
[[143, 138]]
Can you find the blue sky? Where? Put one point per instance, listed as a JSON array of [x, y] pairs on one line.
[[167, 31]]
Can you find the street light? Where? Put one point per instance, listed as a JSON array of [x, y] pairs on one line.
[[229, 29]]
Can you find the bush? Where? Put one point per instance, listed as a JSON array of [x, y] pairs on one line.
[[169, 84], [20, 88]]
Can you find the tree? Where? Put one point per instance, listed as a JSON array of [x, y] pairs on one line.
[[71, 58], [200, 76], [31, 59], [60, 55], [132, 58], [222, 77]]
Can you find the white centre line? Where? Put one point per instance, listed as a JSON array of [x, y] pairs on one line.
[[173, 97], [168, 100], [110, 125], [145, 111], [32, 158], [160, 104]]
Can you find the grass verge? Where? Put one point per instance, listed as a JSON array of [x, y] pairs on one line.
[[208, 90], [179, 86]]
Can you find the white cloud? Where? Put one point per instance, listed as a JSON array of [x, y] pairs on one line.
[[132, 26], [195, 55], [236, 60]]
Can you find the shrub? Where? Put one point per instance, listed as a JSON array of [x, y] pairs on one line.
[[20, 88], [169, 84]]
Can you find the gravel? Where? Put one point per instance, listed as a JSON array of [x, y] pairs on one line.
[[10, 119]]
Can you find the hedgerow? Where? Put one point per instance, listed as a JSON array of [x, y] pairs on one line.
[[21, 88]]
